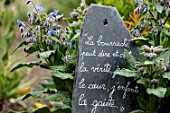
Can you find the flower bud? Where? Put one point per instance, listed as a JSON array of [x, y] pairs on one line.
[[28, 34], [163, 68], [154, 81], [142, 27], [138, 64], [63, 37], [150, 23], [150, 55], [29, 14], [68, 58], [141, 69], [21, 29], [22, 35], [158, 49], [28, 1], [136, 11], [37, 28], [83, 4], [48, 41], [74, 14], [26, 49], [74, 24], [146, 48], [154, 31], [31, 20], [166, 3], [33, 40]]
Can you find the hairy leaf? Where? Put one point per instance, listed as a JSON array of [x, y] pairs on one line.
[[159, 8], [38, 92], [130, 60], [142, 103], [45, 54], [159, 92], [28, 64], [143, 81], [166, 75], [165, 55], [25, 42], [62, 75], [23, 97], [127, 73]]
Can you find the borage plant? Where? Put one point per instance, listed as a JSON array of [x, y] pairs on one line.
[[152, 70], [57, 46]]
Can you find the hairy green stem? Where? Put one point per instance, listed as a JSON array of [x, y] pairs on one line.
[[152, 15], [167, 19]]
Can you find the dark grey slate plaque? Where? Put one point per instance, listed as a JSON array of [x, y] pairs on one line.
[[101, 52]]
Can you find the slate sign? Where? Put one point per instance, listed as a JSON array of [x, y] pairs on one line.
[[101, 52]]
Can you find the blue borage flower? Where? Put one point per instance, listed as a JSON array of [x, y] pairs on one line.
[[58, 17], [53, 14], [52, 32], [138, 1], [39, 8], [71, 43], [136, 33], [161, 23], [20, 23]]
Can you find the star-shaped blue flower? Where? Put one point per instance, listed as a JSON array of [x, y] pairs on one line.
[[58, 17], [20, 23], [51, 32], [71, 43], [39, 9], [53, 14], [136, 33], [161, 23]]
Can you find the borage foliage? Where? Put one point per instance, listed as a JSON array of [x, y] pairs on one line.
[[56, 48], [152, 71]]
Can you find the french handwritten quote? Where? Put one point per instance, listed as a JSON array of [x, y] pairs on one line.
[[108, 102]]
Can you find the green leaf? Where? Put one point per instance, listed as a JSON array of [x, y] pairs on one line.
[[45, 54], [32, 49], [167, 92], [62, 75], [148, 62], [47, 85], [58, 96], [167, 11], [137, 111], [25, 42], [58, 68], [165, 30], [23, 97], [127, 73], [166, 75], [143, 81], [165, 55], [28, 64], [159, 8], [142, 103], [130, 60], [38, 92], [61, 105], [159, 92]]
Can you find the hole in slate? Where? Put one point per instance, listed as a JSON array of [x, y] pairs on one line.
[[105, 22]]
